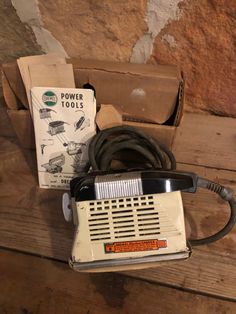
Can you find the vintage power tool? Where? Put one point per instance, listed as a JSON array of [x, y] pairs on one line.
[[55, 164], [74, 148], [48, 142], [56, 127], [42, 148], [82, 123], [130, 219], [45, 113]]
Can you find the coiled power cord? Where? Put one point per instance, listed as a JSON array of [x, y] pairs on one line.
[[105, 146], [107, 143]]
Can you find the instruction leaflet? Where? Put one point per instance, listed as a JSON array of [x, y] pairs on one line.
[[64, 122]]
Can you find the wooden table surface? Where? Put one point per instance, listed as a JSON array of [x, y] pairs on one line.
[[31, 219]]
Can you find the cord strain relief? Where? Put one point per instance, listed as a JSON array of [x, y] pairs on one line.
[[215, 187], [224, 192]]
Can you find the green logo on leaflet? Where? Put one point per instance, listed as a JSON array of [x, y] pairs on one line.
[[49, 98]]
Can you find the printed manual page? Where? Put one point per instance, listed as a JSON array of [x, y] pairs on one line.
[[64, 123]]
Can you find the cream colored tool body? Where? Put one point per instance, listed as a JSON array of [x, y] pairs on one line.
[[132, 227], [119, 224]]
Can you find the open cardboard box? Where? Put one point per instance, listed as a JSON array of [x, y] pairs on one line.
[[150, 97]]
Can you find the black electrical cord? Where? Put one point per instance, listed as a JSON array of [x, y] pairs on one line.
[[106, 144], [227, 195]]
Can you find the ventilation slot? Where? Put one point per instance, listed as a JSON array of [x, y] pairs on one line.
[[125, 231], [149, 224], [99, 220], [99, 214], [99, 229], [124, 226], [100, 233], [148, 219], [120, 212], [149, 233], [153, 228], [99, 224], [123, 222], [103, 238], [125, 236], [147, 214], [145, 209], [122, 217]]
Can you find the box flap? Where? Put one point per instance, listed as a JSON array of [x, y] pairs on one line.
[[13, 77], [146, 92], [24, 64], [9, 96], [52, 75], [168, 71], [23, 125]]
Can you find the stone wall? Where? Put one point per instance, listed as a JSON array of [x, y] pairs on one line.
[[199, 36], [203, 43], [16, 39]]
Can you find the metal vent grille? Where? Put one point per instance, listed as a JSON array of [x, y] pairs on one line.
[[127, 218]]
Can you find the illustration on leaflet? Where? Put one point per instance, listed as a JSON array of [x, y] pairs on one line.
[[80, 164], [56, 127], [55, 164], [45, 143], [74, 148], [45, 113], [82, 123]]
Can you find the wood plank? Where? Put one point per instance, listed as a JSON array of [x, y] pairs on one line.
[[203, 272], [34, 285], [207, 141]]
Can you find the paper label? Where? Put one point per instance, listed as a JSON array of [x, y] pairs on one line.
[[64, 122], [135, 246]]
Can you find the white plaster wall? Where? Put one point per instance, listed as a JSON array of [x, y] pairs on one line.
[[28, 12], [159, 14]]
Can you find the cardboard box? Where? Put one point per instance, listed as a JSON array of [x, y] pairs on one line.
[[150, 97]]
